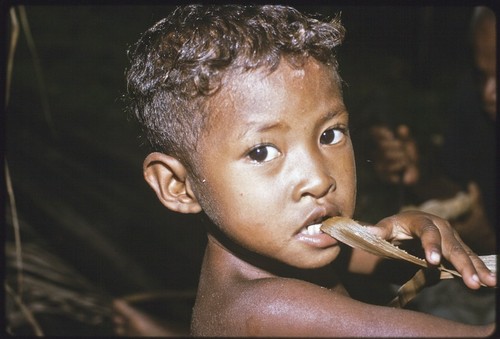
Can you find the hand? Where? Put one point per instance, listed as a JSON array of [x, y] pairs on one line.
[[438, 239], [396, 157]]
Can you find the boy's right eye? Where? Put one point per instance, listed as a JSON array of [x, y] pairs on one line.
[[263, 153]]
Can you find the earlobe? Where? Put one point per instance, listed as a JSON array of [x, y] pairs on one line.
[[168, 177]]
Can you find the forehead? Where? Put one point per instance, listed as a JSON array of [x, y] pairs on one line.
[[248, 95]]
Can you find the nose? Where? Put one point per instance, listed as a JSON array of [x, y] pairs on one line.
[[313, 176]]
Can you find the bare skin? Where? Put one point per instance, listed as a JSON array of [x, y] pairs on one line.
[[236, 298], [396, 158], [277, 159]]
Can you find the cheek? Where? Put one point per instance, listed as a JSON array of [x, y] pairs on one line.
[[225, 197], [348, 184], [209, 195]]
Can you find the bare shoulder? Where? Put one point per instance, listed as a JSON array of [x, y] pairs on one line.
[[288, 307], [269, 306]]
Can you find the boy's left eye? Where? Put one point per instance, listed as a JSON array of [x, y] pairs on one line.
[[332, 136]]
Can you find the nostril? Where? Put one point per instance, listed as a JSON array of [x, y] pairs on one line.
[[319, 188], [333, 185], [313, 174]]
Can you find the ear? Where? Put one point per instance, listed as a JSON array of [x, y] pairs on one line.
[[169, 179]]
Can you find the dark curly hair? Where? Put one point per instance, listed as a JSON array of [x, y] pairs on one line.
[[180, 62]]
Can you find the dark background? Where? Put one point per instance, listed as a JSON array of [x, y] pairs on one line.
[[75, 159]]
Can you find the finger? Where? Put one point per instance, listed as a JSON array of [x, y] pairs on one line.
[[473, 190], [410, 146], [396, 165], [460, 256], [391, 158], [382, 230], [483, 274], [454, 250], [392, 151], [381, 132], [411, 175], [403, 132], [391, 228], [431, 239], [389, 176], [467, 263]]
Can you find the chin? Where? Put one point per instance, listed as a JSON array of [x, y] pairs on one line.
[[321, 259]]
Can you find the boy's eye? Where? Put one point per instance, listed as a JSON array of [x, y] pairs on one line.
[[332, 136], [263, 153]]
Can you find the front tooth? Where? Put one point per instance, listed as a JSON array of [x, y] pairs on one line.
[[313, 229], [310, 230], [317, 228]]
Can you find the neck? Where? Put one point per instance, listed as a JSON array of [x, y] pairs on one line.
[[226, 256]]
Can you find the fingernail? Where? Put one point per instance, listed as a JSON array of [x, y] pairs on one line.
[[475, 278], [435, 257]]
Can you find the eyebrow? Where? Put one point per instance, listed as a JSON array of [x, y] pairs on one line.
[[280, 125], [257, 127], [273, 125], [341, 110]]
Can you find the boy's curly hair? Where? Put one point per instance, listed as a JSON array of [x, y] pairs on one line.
[[180, 62]]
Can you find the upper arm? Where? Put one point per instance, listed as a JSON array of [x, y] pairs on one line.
[[297, 308]]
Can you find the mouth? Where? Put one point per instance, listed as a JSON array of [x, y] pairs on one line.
[[311, 233], [314, 228]]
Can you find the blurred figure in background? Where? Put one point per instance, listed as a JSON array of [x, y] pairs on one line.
[[466, 189], [469, 150]]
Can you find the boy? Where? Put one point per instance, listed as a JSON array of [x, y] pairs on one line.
[[244, 108]]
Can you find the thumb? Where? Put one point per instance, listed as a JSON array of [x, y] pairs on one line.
[[383, 229]]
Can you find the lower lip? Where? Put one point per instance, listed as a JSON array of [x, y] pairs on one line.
[[321, 240]]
